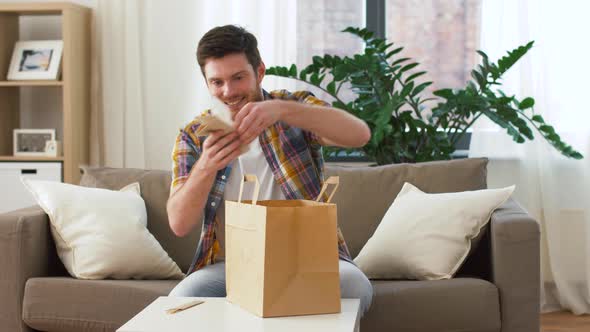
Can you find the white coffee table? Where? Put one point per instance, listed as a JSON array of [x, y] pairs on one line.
[[216, 314]]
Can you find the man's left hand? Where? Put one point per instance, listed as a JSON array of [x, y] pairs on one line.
[[255, 117]]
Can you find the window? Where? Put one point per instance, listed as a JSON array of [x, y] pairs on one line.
[[442, 35], [319, 26]]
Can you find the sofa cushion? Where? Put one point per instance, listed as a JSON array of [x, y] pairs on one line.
[[461, 304], [91, 224], [365, 193], [428, 236], [155, 189], [67, 304]]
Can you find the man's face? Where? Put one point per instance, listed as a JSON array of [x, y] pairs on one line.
[[233, 80]]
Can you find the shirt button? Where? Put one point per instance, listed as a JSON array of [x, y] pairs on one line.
[[213, 204], [223, 177]]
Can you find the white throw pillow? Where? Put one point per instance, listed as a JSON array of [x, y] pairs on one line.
[[102, 233], [427, 236]]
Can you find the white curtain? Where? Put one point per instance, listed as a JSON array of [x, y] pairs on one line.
[[554, 189], [146, 80]]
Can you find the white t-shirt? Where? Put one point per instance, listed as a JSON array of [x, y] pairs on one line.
[[251, 162]]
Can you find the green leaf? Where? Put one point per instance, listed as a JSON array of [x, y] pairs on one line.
[[352, 30], [526, 103], [318, 60], [277, 71], [538, 118], [576, 155], [547, 129], [303, 75], [554, 137], [284, 71], [504, 124], [444, 93], [415, 75], [483, 55], [340, 105], [420, 88], [408, 67], [394, 52], [400, 60], [509, 60], [384, 116], [384, 47], [526, 131], [331, 87], [315, 79], [368, 34], [293, 71], [479, 79], [407, 89], [341, 71]]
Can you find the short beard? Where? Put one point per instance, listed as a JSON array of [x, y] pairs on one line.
[[259, 94]]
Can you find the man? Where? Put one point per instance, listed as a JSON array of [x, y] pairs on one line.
[[284, 132]]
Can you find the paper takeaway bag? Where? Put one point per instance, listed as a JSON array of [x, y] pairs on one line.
[[281, 256]]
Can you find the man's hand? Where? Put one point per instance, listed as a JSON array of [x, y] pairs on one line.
[[219, 151], [255, 117]]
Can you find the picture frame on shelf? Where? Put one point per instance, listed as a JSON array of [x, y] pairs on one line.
[[53, 148], [32, 142], [36, 60]]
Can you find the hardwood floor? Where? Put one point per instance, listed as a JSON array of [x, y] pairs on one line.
[[564, 322]]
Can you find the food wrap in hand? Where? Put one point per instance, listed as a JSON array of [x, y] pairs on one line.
[[219, 118]]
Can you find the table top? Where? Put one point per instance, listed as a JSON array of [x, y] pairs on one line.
[[220, 315]]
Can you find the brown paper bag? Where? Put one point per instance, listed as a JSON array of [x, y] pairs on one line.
[[281, 256]]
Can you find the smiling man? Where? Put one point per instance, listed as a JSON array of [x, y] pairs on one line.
[[285, 132]]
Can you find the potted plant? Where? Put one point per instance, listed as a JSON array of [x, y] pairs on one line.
[[390, 100]]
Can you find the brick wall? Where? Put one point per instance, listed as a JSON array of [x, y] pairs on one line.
[[440, 34]]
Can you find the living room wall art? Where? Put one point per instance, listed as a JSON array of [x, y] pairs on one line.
[[36, 60]]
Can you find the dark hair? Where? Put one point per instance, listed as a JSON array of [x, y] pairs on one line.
[[228, 39]]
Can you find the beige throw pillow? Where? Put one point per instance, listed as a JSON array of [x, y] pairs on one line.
[[101, 233], [427, 236]]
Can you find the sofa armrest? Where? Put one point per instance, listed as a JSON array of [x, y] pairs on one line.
[[27, 251], [515, 241]]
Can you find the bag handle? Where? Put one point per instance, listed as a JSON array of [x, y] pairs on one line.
[[250, 178], [335, 180]]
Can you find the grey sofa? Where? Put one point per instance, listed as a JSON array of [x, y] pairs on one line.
[[497, 289]]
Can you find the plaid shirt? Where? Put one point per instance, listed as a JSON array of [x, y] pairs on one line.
[[294, 156]]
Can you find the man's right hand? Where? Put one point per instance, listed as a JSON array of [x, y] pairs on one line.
[[218, 151], [187, 200]]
